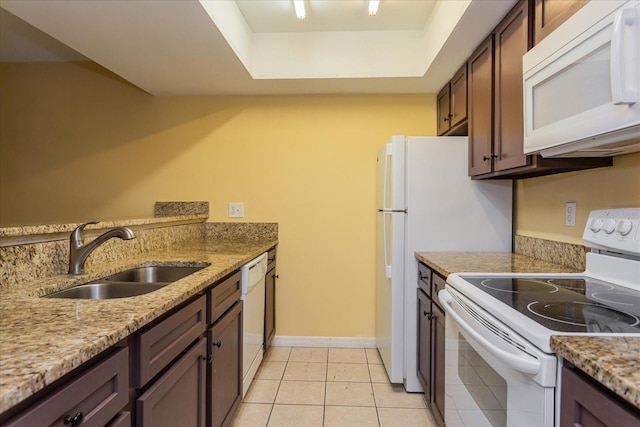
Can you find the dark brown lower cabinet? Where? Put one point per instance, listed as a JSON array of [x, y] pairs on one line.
[[270, 299], [269, 308], [438, 364], [424, 344], [177, 398], [586, 404], [225, 370], [431, 342]]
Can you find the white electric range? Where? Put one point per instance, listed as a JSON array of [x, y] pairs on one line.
[[500, 369]]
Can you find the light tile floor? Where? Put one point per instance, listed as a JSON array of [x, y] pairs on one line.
[[328, 387]]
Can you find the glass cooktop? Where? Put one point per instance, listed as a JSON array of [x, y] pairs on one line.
[[568, 304]]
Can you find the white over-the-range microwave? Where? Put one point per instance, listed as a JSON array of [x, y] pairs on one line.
[[582, 84]]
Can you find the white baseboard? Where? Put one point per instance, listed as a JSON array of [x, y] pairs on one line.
[[334, 342]]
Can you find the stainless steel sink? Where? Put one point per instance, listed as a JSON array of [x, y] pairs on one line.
[[107, 290], [153, 274], [128, 283]]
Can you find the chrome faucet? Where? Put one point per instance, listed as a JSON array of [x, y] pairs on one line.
[[78, 251]]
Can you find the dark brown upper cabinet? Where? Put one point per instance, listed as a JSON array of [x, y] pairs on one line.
[[550, 14], [496, 125], [452, 105]]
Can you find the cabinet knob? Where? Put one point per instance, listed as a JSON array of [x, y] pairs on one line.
[[446, 119], [218, 344], [277, 277], [208, 358], [485, 158], [74, 421], [427, 313]]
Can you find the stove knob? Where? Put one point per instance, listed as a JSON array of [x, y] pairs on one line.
[[596, 225], [624, 227], [609, 225]]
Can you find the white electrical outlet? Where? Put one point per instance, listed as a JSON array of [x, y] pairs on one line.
[[236, 210], [570, 214]]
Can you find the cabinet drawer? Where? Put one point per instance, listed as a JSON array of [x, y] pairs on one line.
[[122, 420], [98, 395], [437, 284], [222, 296], [424, 278], [582, 402], [157, 347], [271, 259]]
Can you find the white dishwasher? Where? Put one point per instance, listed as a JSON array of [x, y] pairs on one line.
[[253, 292]]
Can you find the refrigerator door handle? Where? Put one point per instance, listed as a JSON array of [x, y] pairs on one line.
[[387, 162], [387, 265]]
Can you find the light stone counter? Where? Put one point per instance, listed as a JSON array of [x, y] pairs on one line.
[[613, 361], [447, 263], [42, 339]]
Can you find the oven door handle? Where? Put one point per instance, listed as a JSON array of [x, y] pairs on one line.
[[527, 365]]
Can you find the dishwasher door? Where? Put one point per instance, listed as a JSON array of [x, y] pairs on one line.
[[253, 293]]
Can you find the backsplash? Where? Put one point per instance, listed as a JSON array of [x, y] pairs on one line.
[[567, 254], [251, 231], [161, 209]]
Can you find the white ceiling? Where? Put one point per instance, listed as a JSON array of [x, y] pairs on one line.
[[202, 47]]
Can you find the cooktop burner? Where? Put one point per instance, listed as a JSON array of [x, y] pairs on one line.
[[580, 304]]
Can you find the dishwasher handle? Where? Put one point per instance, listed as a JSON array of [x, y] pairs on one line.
[[528, 365]]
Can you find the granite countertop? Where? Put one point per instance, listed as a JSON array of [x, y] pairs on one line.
[[42, 339], [447, 263], [612, 361]]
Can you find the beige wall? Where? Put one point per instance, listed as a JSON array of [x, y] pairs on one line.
[[541, 201], [79, 143]]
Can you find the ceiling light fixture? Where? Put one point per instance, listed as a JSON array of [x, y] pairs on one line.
[[373, 7], [299, 7]]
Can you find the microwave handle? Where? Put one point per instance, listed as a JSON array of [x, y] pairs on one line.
[[620, 90]]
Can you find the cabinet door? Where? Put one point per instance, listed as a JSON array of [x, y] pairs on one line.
[[480, 81], [424, 343], [437, 364], [459, 97], [512, 41], [92, 398], [270, 308], [177, 398], [225, 372], [550, 14], [444, 112], [585, 404]]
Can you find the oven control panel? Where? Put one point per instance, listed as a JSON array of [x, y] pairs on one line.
[[616, 230]]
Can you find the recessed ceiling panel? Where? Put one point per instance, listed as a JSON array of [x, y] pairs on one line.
[[278, 16]]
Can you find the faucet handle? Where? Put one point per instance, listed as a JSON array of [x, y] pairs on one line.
[[77, 233]]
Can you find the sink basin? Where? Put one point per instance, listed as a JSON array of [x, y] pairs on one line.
[[107, 290], [153, 274], [128, 283]]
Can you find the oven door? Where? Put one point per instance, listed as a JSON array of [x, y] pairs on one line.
[[493, 377]]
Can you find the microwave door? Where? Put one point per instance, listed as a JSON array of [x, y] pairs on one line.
[[582, 90]]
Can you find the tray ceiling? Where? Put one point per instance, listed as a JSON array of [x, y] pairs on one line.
[[191, 47]]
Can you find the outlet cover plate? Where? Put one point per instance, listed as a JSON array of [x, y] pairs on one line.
[[570, 214], [236, 210]]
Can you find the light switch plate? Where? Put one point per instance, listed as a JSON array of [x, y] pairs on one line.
[[236, 210]]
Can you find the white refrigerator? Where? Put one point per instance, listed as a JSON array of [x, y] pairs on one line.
[[427, 202]]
